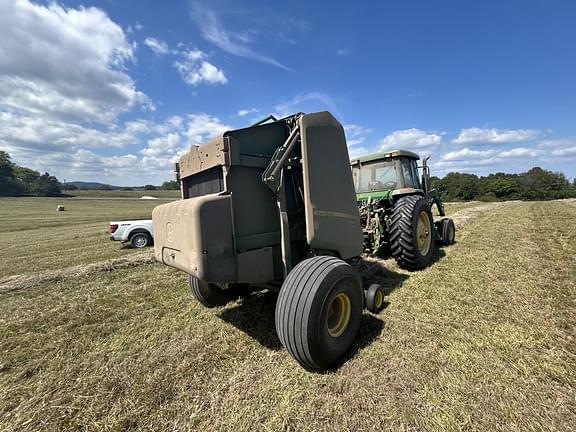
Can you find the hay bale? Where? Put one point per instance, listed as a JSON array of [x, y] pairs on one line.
[[59, 208]]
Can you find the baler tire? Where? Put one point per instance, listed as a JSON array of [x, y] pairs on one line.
[[448, 232], [319, 310], [375, 298], [404, 224], [210, 295]]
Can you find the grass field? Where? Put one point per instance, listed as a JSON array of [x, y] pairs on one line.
[[35, 237], [482, 340]]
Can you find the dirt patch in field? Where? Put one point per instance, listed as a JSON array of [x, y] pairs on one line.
[[24, 281], [465, 216]]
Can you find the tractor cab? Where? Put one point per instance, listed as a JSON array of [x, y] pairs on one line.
[[386, 172]]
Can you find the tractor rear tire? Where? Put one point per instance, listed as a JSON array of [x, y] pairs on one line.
[[412, 234], [319, 310], [211, 295], [448, 232]]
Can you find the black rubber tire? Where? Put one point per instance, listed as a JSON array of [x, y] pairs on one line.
[[211, 295], [302, 310], [140, 240], [402, 231], [375, 298], [448, 232]]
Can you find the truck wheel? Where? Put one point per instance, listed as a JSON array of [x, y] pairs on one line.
[[140, 240], [318, 311], [448, 232], [210, 295], [375, 298], [412, 232]]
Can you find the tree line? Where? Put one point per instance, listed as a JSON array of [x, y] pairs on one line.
[[19, 180], [535, 184]]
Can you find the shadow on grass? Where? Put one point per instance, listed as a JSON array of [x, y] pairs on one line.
[[255, 317], [370, 328], [375, 271]]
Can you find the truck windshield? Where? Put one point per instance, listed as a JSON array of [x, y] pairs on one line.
[[376, 176]]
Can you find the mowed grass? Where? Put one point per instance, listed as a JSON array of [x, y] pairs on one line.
[[35, 237], [482, 340], [93, 193]]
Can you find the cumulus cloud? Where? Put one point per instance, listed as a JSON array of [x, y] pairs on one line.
[[72, 151], [467, 159], [65, 63], [195, 70], [561, 147], [410, 139], [236, 43], [495, 136], [178, 136], [307, 102], [245, 112], [467, 154], [355, 134], [159, 47]]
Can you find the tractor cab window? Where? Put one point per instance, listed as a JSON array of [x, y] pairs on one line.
[[410, 173], [376, 177]]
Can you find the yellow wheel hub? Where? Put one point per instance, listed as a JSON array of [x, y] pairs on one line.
[[423, 233], [378, 299], [339, 314]]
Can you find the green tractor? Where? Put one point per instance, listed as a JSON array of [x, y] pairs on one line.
[[395, 208]]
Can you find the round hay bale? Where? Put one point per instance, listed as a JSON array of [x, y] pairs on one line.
[[59, 208]]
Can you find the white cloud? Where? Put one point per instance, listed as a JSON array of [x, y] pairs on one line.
[[467, 154], [212, 30], [343, 52], [467, 159], [357, 151], [307, 102], [194, 70], [158, 46], [410, 139], [566, 151], [71, 151], [560, 147], [519, 152], [355, 134], [495, 136], [245, 112], [65, 63]]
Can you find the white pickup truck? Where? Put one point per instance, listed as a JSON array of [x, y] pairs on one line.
[[137, 232]]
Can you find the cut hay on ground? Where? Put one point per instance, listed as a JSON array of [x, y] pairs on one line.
[[24, 281]]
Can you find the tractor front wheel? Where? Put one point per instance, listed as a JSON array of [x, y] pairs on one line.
[[318, 311], [412, 233]]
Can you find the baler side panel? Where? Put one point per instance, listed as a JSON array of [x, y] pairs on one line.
[[332, 217]]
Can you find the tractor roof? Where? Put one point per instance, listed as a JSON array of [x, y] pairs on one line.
[[385, 155]]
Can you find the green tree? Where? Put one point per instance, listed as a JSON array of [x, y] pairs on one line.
[[170, 185], [9, 185], [150, 187], [27, 177], [47, 185]]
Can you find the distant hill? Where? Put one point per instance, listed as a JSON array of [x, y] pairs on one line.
[[92, 185]]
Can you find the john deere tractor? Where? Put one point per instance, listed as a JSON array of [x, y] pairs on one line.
[[395, 208], [273, 205]]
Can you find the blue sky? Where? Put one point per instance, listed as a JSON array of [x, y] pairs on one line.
[[116, 90]]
